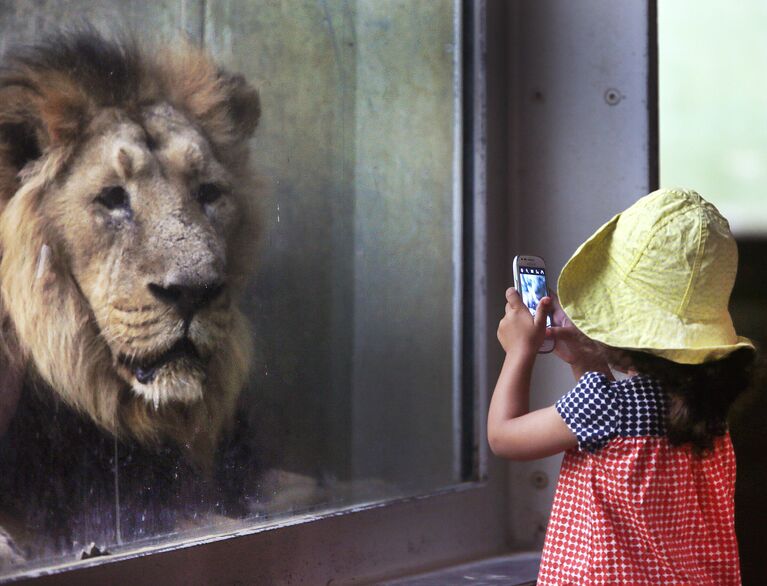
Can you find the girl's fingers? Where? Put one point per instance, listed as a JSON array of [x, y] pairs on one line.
[[558, 316], [544, 309], [515, 301], [565, 333]]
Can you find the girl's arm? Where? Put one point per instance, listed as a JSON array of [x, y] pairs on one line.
[[512, 431]]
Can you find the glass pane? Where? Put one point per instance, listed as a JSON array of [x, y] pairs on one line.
[[353, 302]]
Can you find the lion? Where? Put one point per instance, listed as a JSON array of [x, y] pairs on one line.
[[128, 226]]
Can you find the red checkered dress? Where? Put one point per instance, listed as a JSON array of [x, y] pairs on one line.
[[630, 508]]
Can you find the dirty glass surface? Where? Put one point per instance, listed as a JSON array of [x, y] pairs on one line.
[[354, 304]]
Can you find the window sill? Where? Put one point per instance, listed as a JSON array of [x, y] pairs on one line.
[[518, 569]]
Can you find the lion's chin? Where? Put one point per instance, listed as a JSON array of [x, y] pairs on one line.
[[179, 381], [177, 375]]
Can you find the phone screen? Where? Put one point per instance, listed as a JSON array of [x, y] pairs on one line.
[[532, 285]]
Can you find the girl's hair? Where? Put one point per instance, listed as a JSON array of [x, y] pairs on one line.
[[700, 395]]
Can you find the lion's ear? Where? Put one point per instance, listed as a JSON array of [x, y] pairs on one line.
[[33, 118], [20, 137], [18, 146], [244, 104]]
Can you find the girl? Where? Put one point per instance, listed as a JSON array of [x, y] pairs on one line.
[[645, 493]]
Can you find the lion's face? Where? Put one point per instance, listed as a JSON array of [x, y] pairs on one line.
[[144, 217], [128, 222]]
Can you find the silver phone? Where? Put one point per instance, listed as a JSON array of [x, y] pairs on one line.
[[530, 282]]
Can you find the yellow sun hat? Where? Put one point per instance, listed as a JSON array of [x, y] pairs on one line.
[[657, 278]]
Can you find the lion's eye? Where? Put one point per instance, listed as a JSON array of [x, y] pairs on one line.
[[114, 198], [207, 193]]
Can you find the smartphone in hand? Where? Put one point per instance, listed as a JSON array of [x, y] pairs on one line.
[[530, 282]]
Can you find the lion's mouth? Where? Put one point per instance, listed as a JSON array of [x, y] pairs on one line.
[[145, 370]]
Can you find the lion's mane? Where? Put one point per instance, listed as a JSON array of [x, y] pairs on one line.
[[48, 95]]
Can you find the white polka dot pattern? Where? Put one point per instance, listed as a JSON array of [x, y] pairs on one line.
[[597, 410], [638, 511]]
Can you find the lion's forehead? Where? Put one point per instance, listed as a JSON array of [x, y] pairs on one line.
[[169, 129], [161, 137]]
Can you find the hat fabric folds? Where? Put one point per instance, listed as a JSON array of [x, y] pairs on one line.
[[657, 278]]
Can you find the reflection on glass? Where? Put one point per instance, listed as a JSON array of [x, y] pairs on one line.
[[193, 342]]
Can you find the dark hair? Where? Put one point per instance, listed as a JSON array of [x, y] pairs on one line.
[[700, 395]]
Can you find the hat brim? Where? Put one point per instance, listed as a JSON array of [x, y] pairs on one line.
[[601, 302]]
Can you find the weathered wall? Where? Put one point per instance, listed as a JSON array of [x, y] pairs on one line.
[[24, 21], [353, 303]]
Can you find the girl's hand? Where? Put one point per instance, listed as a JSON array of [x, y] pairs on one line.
[[512, 431], [579, 351], [518, 332]]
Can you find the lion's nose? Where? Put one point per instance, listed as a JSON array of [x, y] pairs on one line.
[[187, 298]]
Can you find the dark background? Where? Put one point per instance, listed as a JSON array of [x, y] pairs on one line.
[[747, 418]]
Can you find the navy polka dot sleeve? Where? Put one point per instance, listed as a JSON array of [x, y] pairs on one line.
[[597, 410]]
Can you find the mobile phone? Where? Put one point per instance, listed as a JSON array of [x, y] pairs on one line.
[[530, 281]]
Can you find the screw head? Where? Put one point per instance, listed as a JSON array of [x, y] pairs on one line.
[[539, 479], [613, 96]]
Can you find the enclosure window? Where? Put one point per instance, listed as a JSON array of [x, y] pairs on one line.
[[354, 305]]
